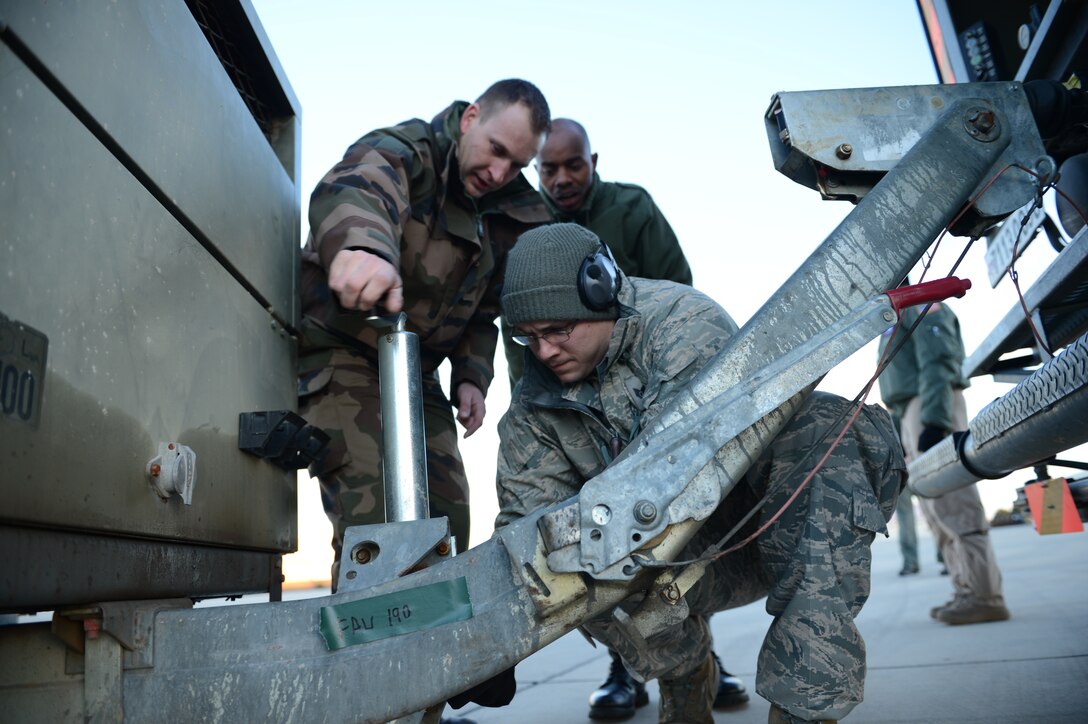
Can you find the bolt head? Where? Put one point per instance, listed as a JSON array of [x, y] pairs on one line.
[[645, 511]]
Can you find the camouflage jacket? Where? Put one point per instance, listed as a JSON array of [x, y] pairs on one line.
[[555, 437], [928, 366], [398, 193], [627, 219]]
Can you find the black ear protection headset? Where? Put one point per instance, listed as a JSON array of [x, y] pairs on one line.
[[598, 279]]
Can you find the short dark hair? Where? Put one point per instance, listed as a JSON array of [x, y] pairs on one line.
[[574, 127], [514, 90]]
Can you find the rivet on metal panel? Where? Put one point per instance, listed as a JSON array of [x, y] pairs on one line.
[[442, 549], [671, 593], [844, 151], [889, 317], [364, 553], [155, 470]]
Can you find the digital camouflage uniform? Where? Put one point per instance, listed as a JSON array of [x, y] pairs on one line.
[[398, 194], [812, 564], [639, 236]]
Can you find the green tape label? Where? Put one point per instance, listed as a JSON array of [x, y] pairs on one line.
[[393, 614]]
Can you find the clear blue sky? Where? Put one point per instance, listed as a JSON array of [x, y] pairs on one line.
[[673, 96]]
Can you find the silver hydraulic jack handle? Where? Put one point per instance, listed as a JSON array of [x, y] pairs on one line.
[[404, 441], [409, 539]]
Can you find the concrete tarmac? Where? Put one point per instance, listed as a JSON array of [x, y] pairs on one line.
[[1031, 668]]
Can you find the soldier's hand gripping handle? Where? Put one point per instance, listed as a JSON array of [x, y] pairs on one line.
[[363, 280]]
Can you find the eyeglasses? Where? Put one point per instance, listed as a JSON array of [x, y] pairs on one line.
[[554, 336]]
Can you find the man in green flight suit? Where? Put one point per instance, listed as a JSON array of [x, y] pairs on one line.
[[623, 215], [923, 387]]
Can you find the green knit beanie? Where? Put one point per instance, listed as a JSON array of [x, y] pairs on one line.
[[542, 276]]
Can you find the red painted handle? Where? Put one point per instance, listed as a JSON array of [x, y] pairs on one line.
[[926, 292]]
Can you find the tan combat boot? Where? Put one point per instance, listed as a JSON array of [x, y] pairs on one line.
[[956, 600], [689, 699], [969, 611]]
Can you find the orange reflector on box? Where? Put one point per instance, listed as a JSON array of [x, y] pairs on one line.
[[1052, 507]]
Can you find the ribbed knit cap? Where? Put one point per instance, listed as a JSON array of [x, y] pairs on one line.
[[542, 276]]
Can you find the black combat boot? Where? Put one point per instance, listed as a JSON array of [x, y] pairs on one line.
[[731, 691], [619, 695]]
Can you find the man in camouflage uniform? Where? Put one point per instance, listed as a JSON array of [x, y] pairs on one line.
[[923, 387], [597, 377], [643, 244], [419, 217]]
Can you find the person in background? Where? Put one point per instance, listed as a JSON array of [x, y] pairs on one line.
[[908, 533], [623, 215], [923, 387]]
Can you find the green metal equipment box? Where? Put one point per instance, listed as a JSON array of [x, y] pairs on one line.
[[149, 232]]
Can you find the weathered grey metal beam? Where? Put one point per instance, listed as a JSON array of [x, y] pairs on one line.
[[869, 252], [620, 517]]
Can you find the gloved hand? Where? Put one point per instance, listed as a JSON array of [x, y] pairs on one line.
[[497, 691], [930, 436]]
